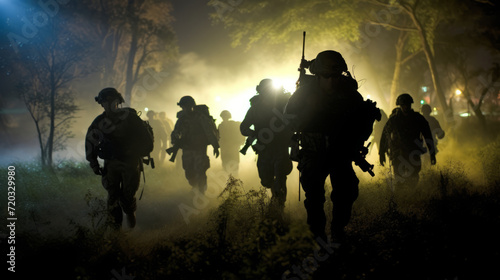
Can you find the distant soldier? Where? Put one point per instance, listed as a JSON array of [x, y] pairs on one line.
[[436, 130], [169, 126], [333, 122], [160, 136], [403, 140], [194, 130], [120, 137], [230, 142], [273, 139], [377, 131]]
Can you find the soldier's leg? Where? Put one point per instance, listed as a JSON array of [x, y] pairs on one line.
[[265, 168], [111, 181], [344, 192], [416, 166], [399, 171], [282, 166], [188, 164], [313, 176], [131, 180], [201, 167]]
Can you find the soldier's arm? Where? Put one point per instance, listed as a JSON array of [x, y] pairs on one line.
[[426, 133], [438, 130], [247, 123], [91, 143]]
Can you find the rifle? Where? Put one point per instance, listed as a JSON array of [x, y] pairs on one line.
[[248, 143], [303, 77], [172, 152], [149, 160], [360, 161]]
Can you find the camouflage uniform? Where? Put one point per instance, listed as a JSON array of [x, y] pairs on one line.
[[230, 142], [192, 135], [112, 136], [330, 123], [403, 139], [273, 141]]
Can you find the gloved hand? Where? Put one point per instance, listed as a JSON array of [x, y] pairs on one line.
[[216, 152], [382, 159]]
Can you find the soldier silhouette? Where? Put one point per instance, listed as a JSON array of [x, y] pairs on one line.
[[332, 121], [273, 140], [230, 142], [403, 140], [193, 132], [168, 125], [160, 134], [120, 138], [377, 131], [436, 130]]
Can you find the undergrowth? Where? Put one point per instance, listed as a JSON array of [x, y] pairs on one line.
[[445, 228]]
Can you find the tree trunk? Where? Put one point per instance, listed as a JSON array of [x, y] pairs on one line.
[[397, 69], [50, 140], [438, 90], [129, 83]]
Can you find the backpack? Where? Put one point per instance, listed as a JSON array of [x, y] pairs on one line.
[[143, 137], [208, 124]]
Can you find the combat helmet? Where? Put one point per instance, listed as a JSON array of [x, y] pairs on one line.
[[225, 114], [328, 63], [426, 109], [404, 99], [109, 94], [265, 86], [186, 101]]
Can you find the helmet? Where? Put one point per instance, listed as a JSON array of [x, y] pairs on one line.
[[426, 109], [404, 99], [225, 114], [109, 94], [265, 86], [186, 101], [328, 63], [150, 114]]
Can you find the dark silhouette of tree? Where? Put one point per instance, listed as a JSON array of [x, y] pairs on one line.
[[48, 62], [133, 36]]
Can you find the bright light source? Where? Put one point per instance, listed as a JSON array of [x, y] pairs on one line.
[[217, 98], [146, 109], [287, 83], [465, 115], [424, 89], [368, 96], [458, 92], [422, 102]]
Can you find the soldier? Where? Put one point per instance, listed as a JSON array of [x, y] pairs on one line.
[[377, 131], [168, 124], [119, 137], [436, 130], [230, 142], [332, 122], [273, 140], [193, 131], [160, 136], [403, 140]]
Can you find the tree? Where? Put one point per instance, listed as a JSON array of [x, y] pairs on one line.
[[48, 63], [134, 35]]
